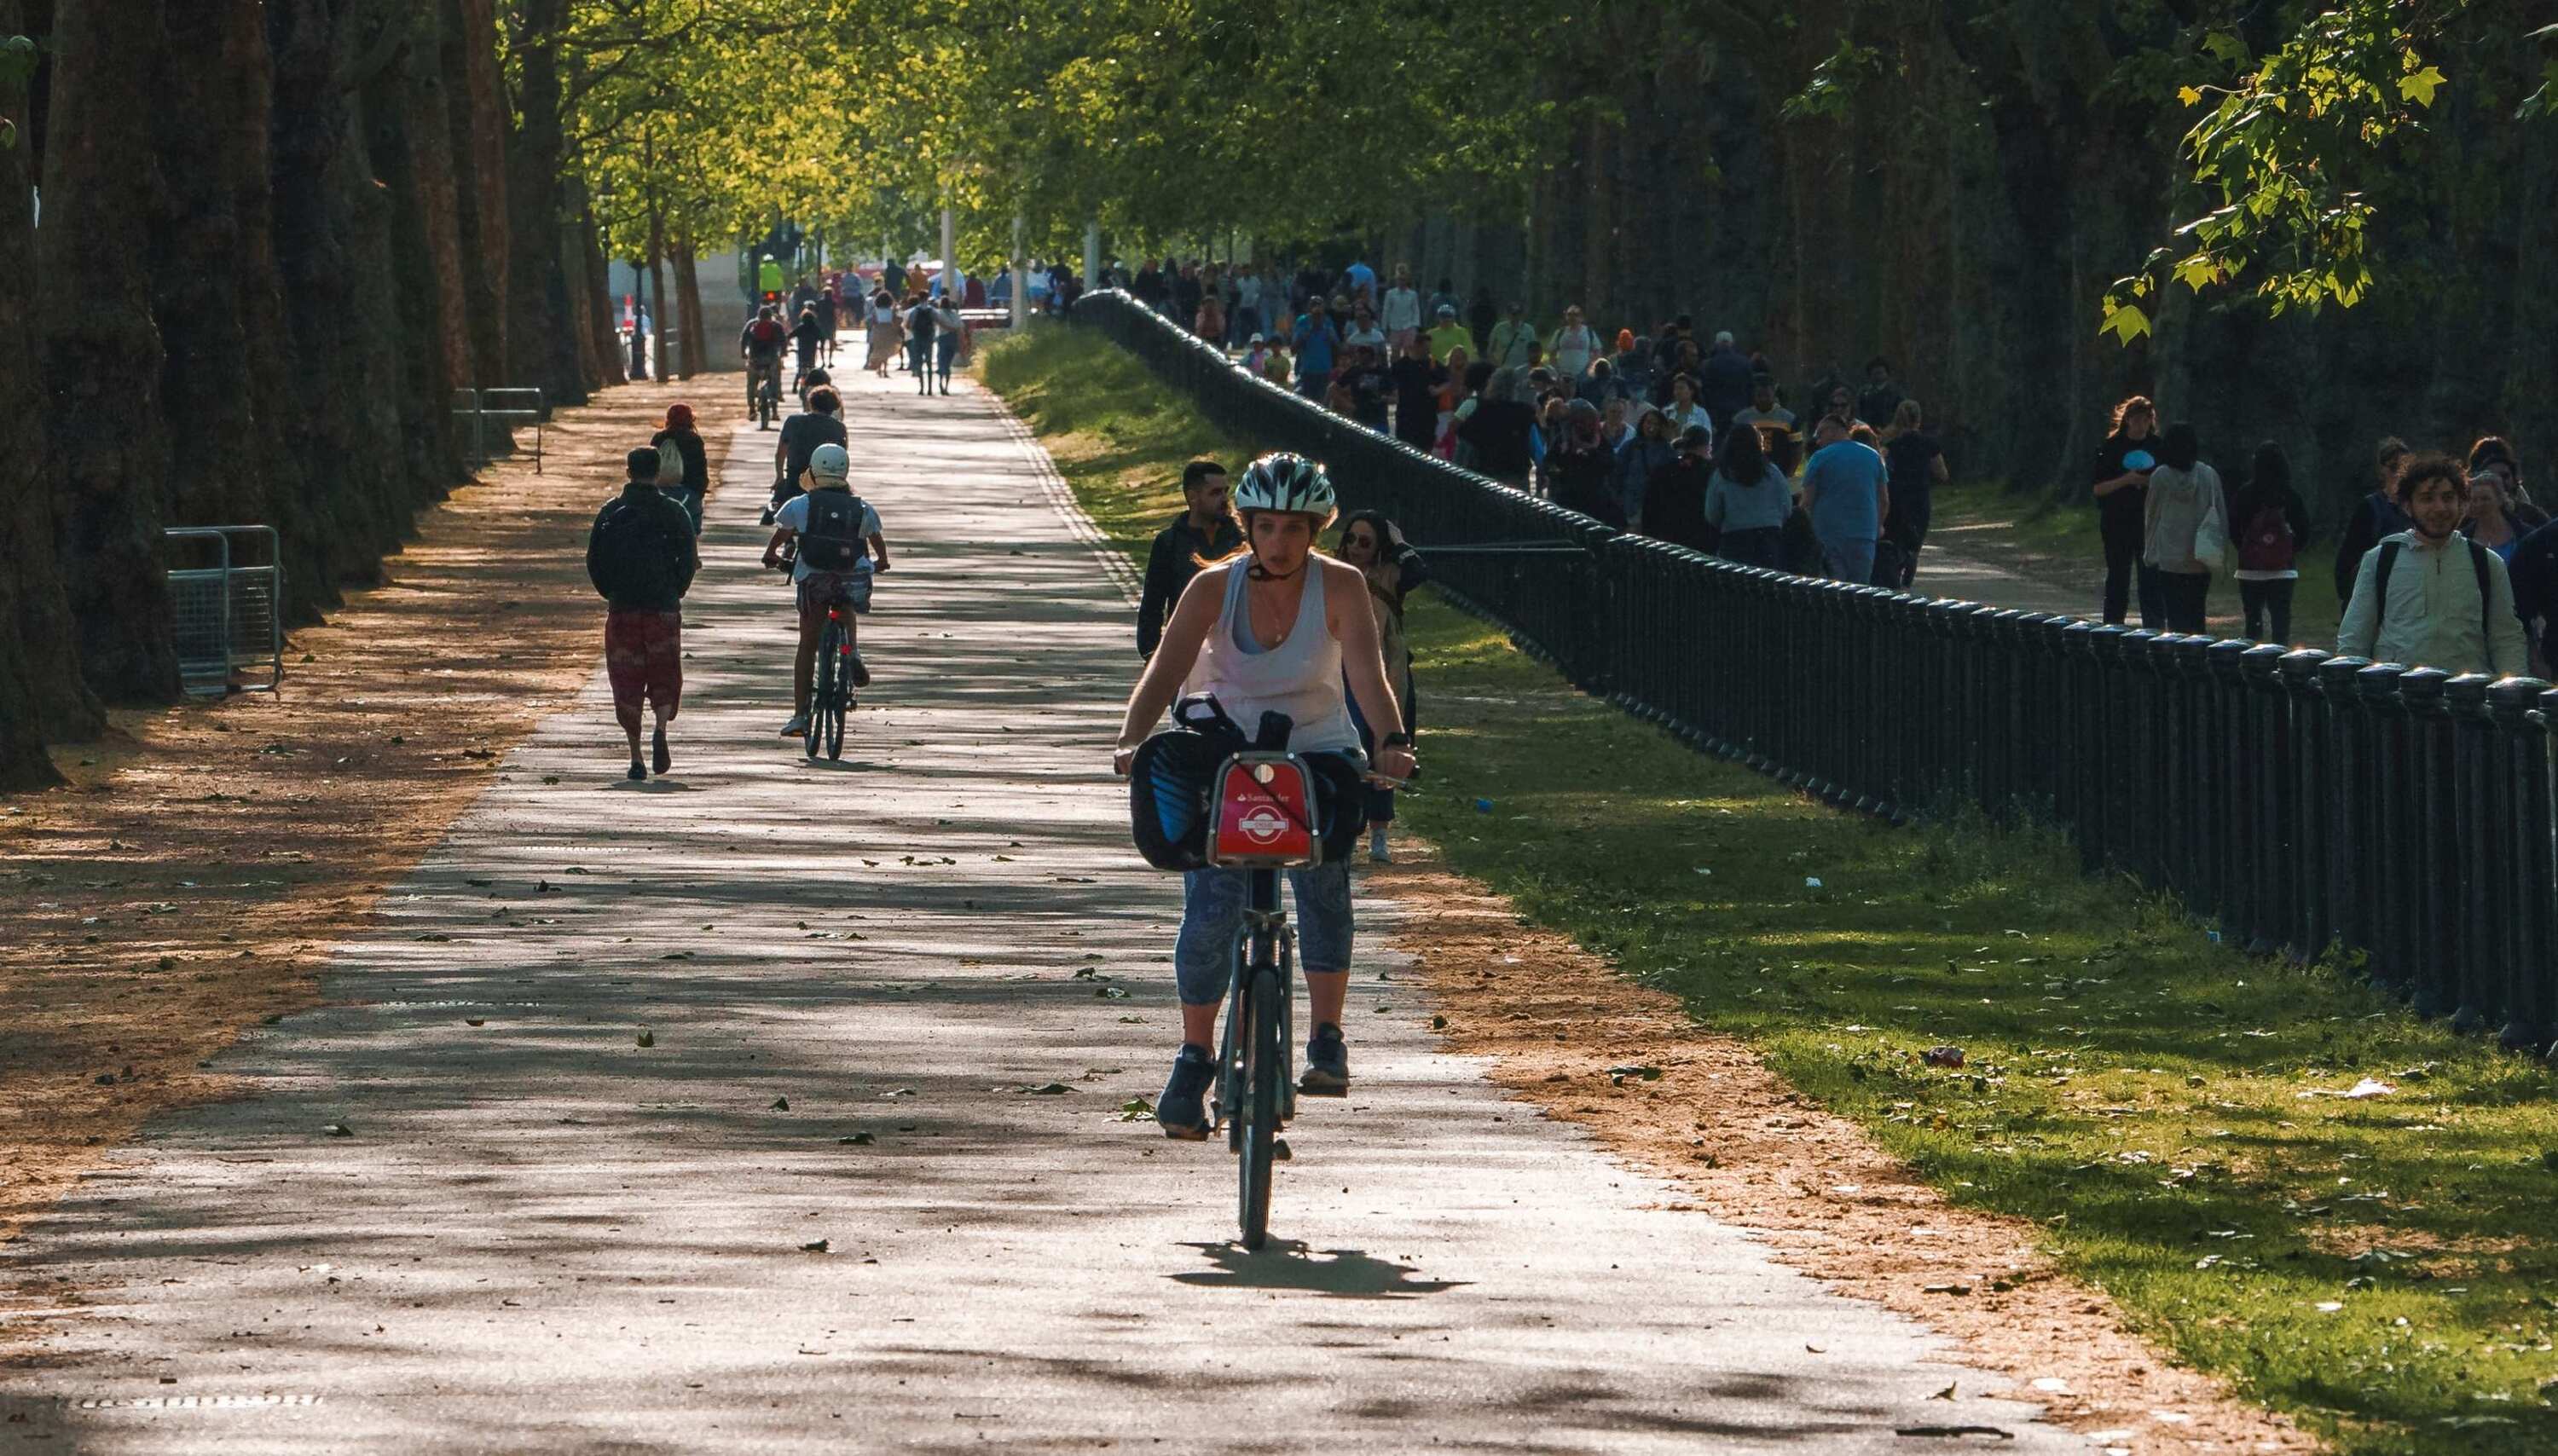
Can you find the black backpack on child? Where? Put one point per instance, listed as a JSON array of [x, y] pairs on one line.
[[833, 540]]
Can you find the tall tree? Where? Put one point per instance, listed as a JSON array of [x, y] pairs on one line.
[[107, 440], [42, 695]]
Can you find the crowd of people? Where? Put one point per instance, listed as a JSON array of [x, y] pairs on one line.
[[1668, 432], [2446, 563]]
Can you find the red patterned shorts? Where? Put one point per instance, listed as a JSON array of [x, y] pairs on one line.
[[643, 656]]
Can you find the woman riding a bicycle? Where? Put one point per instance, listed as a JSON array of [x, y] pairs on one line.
[[1274, 627]]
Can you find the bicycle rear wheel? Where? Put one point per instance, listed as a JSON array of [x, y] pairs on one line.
[[1264, 1069], [836, 708], [821, 693]]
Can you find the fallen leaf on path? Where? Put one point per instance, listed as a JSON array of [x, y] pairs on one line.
[[339, 1129], [1045, 1088], [648, 1039], [858, 1140], [780, 1105], [816, 1247]]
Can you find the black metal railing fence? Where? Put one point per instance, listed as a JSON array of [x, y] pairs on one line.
[[2298, 800]]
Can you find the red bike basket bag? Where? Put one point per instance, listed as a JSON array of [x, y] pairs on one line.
[[1265, 814]]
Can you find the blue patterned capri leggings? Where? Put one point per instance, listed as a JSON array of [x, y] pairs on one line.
[[1212, 905]]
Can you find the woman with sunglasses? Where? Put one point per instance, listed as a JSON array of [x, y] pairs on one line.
[[1392, 568]]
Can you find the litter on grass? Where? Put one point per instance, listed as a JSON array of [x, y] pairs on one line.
[[2361, 1091]]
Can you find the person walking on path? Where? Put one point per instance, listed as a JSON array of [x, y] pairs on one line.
[[1573, 347], [1416, 392], [1846, 492], [1399, 311], [1724, 382], [1748, 502], [2271, 525], [1675, 497], [1916, 466], [919, 328], [1274, 629], [691, 480], [1318, 340], [949, 339], [1645, 451], [639, 554], [2378, 515], [1449, 337], [1481, 316], [2429, 597], [820, 424], [2121, 484], [1203, 531], [1375, 545], [2184, 532], [883, 339], [1879, 401], [2497, 517], [1513, 343]]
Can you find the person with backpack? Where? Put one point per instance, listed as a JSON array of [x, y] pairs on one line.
[[2429, 597], [921, 322], [683, 465], [760, 343], [2272, 524], [641, 556], [841, 545]]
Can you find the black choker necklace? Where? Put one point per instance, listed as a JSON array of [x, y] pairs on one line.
[[1259, 572]]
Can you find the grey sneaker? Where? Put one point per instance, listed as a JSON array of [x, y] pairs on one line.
[[796, 728], [1181, 1111], [1328, 1064]]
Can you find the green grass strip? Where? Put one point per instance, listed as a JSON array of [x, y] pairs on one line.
[[2380, 1268]]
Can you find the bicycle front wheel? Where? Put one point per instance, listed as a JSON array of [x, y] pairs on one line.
[[1264, 1071]]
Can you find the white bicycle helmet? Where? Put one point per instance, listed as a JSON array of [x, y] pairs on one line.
[[830, 463], [1287, 483]]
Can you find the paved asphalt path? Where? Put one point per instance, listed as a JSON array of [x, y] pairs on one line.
[[944, 959]]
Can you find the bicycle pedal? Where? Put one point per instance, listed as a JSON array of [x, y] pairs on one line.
[[1279, 1150]]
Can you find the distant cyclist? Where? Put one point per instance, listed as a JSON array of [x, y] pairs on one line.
[[767, 279], [840, 547], [801, 437], [810, 382], [760, 343], [1273, 627]]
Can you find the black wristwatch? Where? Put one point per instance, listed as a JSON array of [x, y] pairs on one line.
[[1395, 741]]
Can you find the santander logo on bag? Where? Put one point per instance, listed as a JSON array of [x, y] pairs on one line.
[[1264, 815]]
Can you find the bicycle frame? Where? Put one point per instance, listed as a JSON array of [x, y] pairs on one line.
[[1266, 943]]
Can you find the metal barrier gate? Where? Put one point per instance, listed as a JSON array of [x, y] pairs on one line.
[[507, 406], [230, 614]]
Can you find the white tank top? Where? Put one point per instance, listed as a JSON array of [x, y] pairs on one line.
[[1301, 677]]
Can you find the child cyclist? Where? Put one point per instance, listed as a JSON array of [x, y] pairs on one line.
[[839, 538], [1273, 627]]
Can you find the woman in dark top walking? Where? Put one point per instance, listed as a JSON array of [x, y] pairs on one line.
[[2122, 488], [1916, 466]]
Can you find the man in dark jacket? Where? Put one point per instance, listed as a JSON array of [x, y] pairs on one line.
[[1203, 531], [1675, 500], [2375, 516], [640, 555], [1724, 384]]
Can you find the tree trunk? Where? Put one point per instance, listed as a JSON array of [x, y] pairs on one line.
[[332, 250], [213, 85], [478, 150], [688, 297], [421, 252], [428, 126], [543, 342], [657, 287], [107, 435], [41, 693], [586, 262]]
